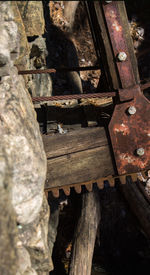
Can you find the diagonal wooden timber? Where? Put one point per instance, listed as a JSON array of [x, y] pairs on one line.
[[76, 157]]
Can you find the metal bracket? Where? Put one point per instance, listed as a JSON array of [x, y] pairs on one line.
[[130, 124], [129, 130]]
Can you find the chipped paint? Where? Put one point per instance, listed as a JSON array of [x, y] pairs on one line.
[[116, 26], [127, 158], [122, 128]]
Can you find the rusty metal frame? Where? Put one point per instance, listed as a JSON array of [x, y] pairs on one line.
[[130, 124]]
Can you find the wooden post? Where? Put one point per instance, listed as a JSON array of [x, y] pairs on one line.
[[138, 204], [85, 235]]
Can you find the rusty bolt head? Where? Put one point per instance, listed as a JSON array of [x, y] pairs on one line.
[[140, 151], [122, 56], [131, 110]]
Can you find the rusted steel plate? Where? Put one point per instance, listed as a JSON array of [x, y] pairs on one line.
[[127, 94], [118, 38], [130, 132]]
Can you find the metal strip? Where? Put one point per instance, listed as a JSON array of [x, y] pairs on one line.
[[119, 43], [54, 70]]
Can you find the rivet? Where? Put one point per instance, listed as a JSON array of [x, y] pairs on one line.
[[140, 151], [131, 110], [122, 56]]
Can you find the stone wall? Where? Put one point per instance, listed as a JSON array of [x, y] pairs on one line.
[[23, 207], [29, 18]]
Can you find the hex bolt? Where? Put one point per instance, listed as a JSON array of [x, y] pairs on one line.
[[140, 151], [131, 110], [122, 56]]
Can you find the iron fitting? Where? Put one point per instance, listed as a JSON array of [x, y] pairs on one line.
[[122, 56], [131, 110], [140, 151]]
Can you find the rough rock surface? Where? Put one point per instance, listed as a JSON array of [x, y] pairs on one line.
[[22, 166], [24, 47], [39, 84], [29, 18], [32, 16], [34, 237], [8, 230]]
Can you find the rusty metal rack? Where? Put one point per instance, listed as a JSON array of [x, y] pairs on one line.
[[129, 128]]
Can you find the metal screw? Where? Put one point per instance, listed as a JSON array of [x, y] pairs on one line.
[[131, 110], [122, 56], [140, 151]]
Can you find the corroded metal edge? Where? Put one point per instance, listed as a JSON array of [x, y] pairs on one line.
[[111, 180]]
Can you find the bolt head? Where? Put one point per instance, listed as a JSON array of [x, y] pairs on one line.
[[140, 151], [122, 56], [131, 110]]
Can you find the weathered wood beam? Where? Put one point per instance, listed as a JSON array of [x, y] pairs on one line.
[[85, 235], [74, 141], [79, 156]]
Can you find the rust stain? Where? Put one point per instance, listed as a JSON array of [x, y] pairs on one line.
[[119, 43], [116, 26], [122, 128], [130, 132]]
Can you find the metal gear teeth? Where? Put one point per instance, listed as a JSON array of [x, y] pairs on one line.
[[55, 192], [100, 183], [78, 189], [66, 190], [111, 181], [89, 186], [122, 179]]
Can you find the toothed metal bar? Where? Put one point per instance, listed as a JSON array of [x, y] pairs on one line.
[[100, 183]]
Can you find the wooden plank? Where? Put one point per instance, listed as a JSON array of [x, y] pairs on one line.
[[79, 167], [78, 140]]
